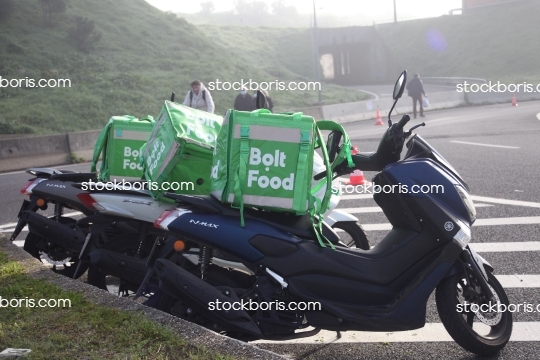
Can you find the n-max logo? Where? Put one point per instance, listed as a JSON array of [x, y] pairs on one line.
[[202, 223], [58, 186]]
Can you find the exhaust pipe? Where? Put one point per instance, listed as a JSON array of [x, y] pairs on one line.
[[198, 294], [69, 236], [119, 265]]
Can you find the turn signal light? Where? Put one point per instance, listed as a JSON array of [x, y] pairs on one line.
[[179, 245]]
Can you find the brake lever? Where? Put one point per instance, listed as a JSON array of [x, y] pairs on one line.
[[408, 133]]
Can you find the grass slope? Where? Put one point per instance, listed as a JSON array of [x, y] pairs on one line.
[[144, 54], [497, 43], [84, 330]]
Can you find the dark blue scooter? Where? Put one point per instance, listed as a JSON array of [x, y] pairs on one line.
[[382, 289]]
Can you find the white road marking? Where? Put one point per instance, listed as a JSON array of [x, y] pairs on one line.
[[505, 201], [480, 222], [522, 220], [538, 116], [488, 145], [356, 196], [377, 227], [478, 205], [75, 213], [432, 332], [506, 246], [473, 197], [376, 209], [358, 210], [8, 225], [9, 231], [519, 281]]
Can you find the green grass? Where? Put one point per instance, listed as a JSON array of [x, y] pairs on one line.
[[144, 54], [497, 43], [84, 330]]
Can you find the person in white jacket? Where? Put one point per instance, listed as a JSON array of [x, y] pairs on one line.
[[199, 97]]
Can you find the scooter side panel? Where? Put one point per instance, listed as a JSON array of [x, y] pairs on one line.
[[225, 233], [62, 192], [413, 174]]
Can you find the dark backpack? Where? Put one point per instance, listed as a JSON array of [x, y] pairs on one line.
[[191, 97]]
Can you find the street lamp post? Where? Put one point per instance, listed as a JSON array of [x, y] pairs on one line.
[[318, 61]]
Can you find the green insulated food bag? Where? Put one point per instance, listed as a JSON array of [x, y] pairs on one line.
[[178, 156], [119, 145], [265, 160]]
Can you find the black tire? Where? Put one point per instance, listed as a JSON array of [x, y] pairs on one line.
[[460, 325], [353, 235], [31, 248]]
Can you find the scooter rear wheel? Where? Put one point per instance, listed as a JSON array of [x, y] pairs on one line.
[[352, 235], [70, 264], [478, 330]]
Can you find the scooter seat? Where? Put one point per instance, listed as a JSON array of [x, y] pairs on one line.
[[300, 226]]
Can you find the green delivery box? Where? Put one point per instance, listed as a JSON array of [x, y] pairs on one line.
[[265, 160], [119, 145], [179, 152]]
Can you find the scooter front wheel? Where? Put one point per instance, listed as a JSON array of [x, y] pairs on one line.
[[479, 326], [352, 234]]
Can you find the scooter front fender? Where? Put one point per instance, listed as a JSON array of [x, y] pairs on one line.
[[336, 215]]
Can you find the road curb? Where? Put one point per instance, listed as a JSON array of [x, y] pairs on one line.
[[191, 333]]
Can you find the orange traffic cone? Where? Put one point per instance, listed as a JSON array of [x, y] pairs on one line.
[[514, 100], [354, 150], [357, 178], [379, 120]]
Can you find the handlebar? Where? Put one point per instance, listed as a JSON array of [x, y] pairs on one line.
[[388, 151], [320, 175], [404, 120]]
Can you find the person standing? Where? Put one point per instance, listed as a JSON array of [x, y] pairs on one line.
[[243, 101], [415, 89], [269, 102], [199, 97]]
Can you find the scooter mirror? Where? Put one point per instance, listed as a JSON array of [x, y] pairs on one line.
[[399, 87], [332, 144]]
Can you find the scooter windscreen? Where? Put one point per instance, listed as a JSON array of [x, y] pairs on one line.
[[419, 148]]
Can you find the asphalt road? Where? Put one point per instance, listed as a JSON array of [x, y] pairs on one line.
[[496, 149]]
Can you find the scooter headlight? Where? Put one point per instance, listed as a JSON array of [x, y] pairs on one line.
[[467, 201]]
